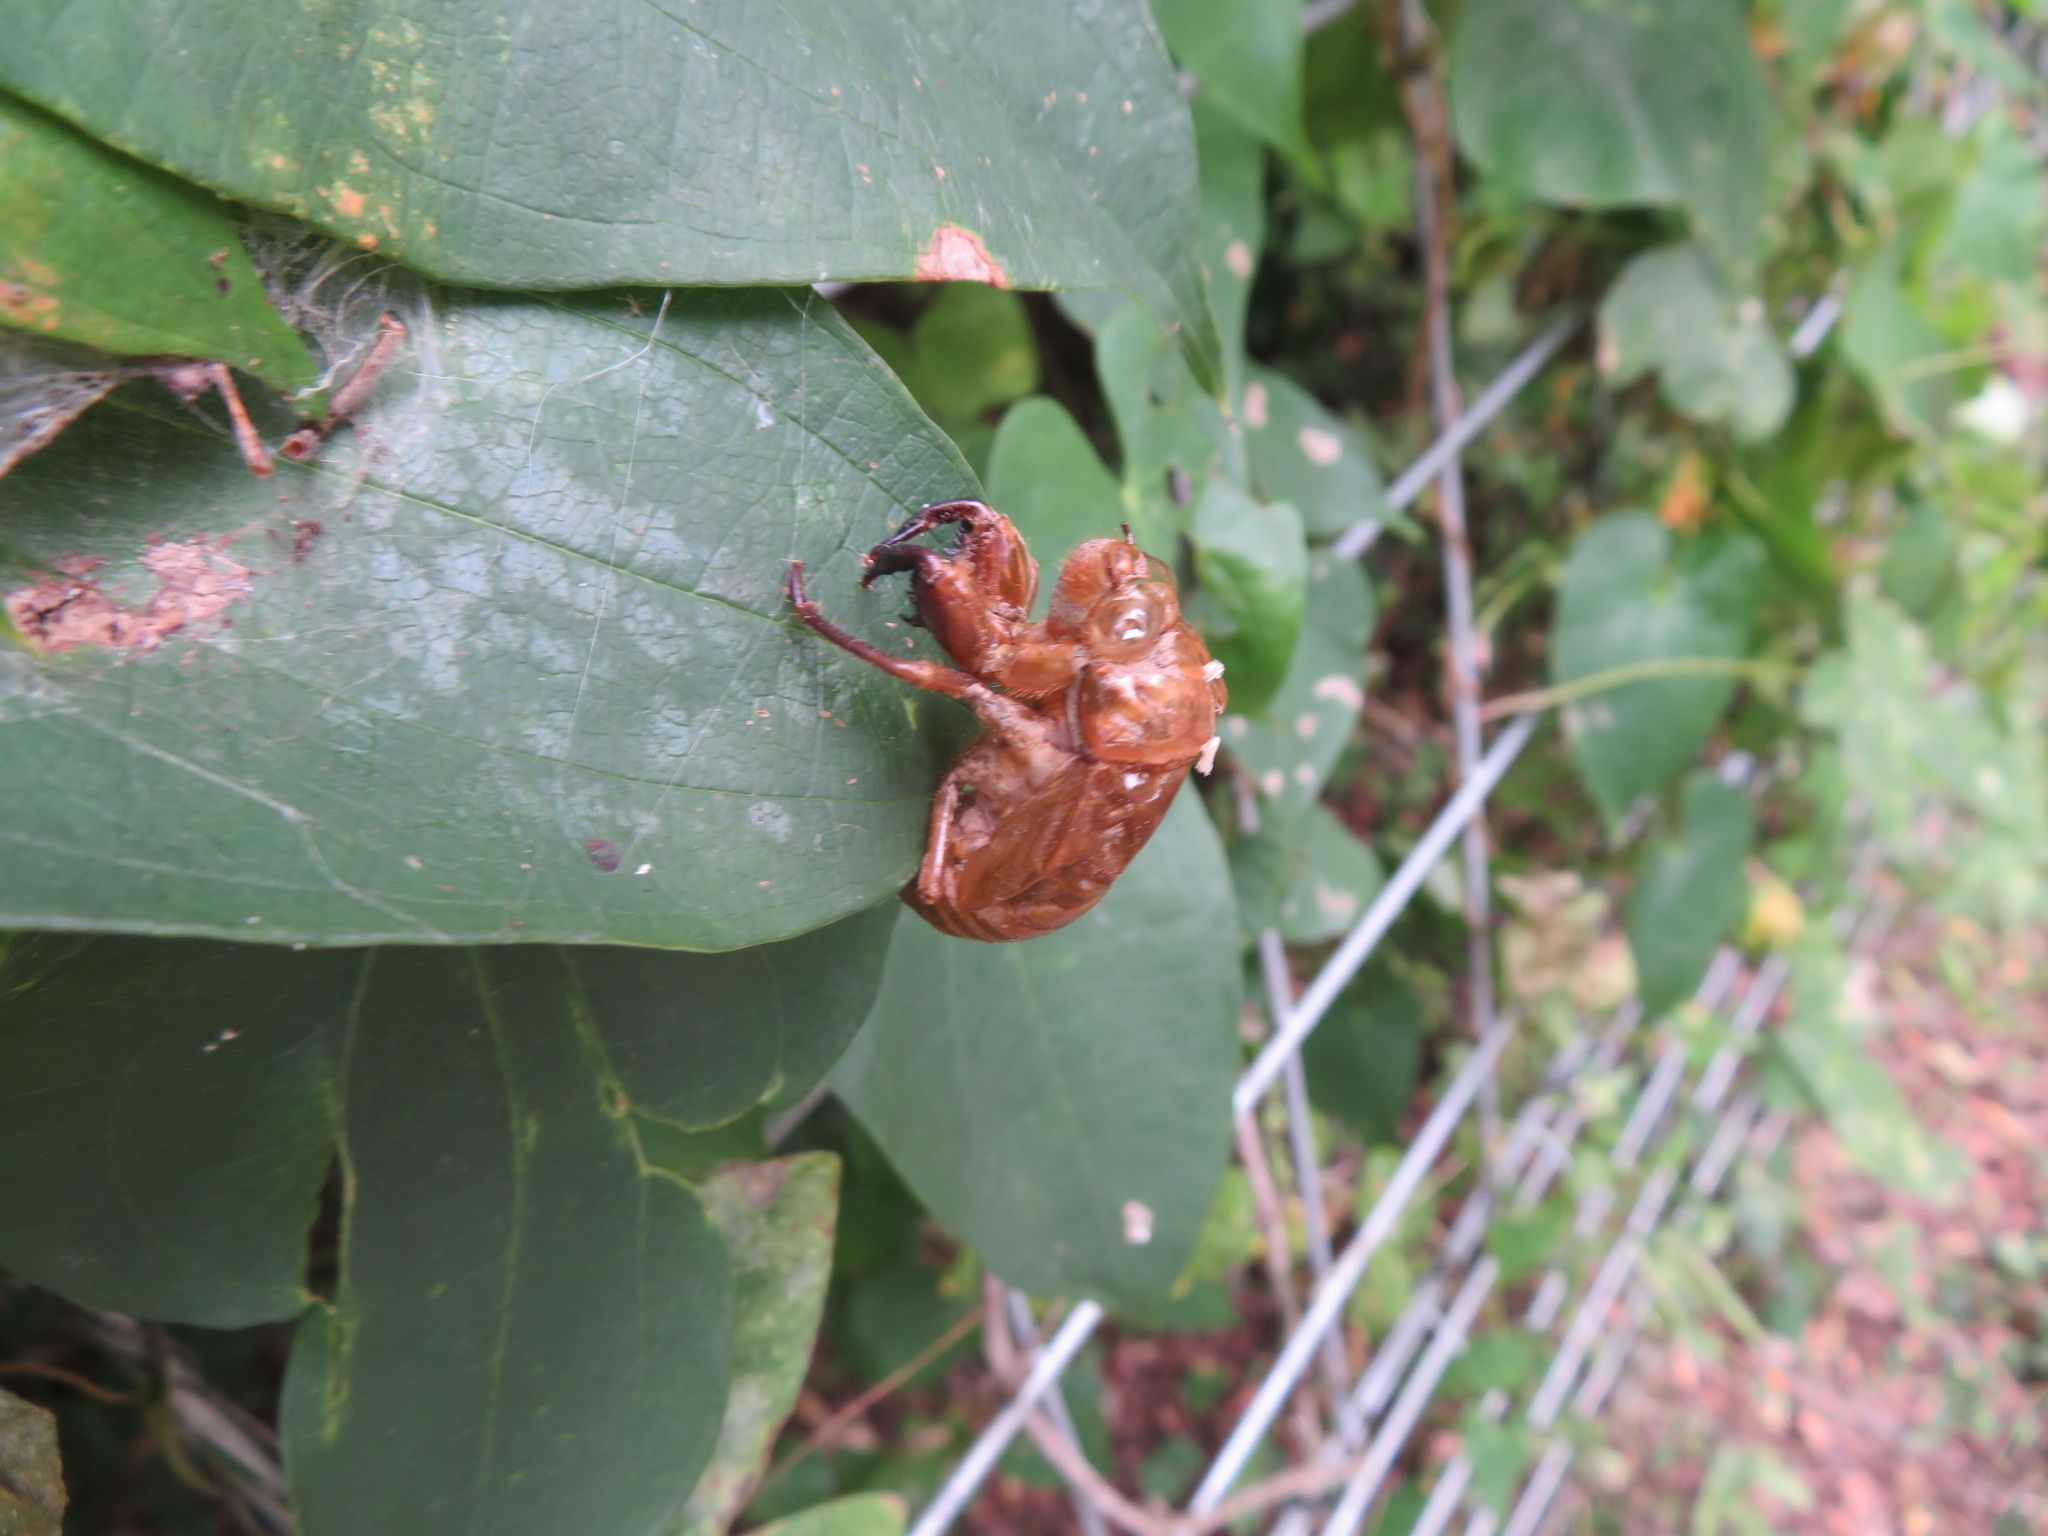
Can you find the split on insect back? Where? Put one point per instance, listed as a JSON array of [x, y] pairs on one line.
[[1093, 715]]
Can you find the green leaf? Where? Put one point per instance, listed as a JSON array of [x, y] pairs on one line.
[[1305, 873], [698, 1040], [503, 1229], [1522, 1240], [866, 1514], [1629, 599], [1506, 1359], [1052, 1101], [969, 350], [728, 145], [1364, 1058], [514, 664], [1716, 359], [97, 249], [1252, 566], [32, 1496], [777, 1222], [1246, 55], [1291, 749], [1691, 894], [1499, 1454], [530, 1328], [1306, 455], [1229, 1239], [885, 1320], [168, 1123], [1049, 481], [1592, 104]]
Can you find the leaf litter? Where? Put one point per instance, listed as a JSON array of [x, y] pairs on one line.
[[1909, 1399]]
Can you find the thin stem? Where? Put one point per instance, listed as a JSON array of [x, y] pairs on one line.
[[829, 1430], [1636, 672], [71, 1379]]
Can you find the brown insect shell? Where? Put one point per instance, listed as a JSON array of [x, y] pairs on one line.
[[1157, 711], [1142, 694]]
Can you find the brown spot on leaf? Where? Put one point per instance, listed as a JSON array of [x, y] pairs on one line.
[[956, 255], [196, 583], [757, 1184], [21, 305], [603, 854]]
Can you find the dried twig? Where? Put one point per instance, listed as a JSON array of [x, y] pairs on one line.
[[353, 395], [189, 380]]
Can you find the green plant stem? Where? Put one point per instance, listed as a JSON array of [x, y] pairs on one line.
[[1635, 672]]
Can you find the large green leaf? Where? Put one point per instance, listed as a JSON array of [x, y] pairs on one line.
[[1600, 104], [1716, 360], [530, 1328], [1251, 563], [32, 1496], [1064, 1104], [167, 1121], [777, 1222], [1246, 55], [1630, 600], [1691, 893], [513, 663], [529, 145], [1291, 748], [97, 249]]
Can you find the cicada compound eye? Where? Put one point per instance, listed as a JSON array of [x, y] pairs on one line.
[[1123, 626]]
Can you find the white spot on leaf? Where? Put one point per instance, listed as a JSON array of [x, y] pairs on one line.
[[1339, 689], [1137, 1223], [1323, 448], [770, 818]]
